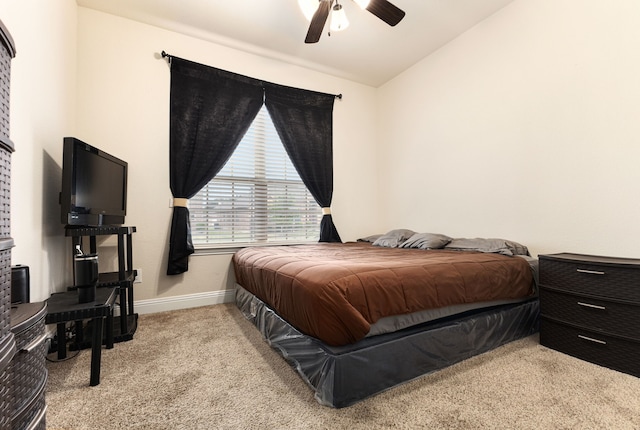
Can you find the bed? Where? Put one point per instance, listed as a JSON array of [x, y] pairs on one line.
[[355, 319]]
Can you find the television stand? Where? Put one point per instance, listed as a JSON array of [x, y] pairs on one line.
[[122, 279]]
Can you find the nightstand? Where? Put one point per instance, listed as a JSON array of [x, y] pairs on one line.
[[590, 308]]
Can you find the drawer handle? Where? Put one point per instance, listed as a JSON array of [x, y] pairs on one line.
[[590, 339], [589, 305], [590, 272], [36, 343]]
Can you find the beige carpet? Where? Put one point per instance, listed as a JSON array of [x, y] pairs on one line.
[[208, 368]]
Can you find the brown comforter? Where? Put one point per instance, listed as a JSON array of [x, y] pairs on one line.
[[335, 291]]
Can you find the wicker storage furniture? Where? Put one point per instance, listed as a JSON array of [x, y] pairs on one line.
[[23, 374], [28, 370], [7, 341], [590, 308]]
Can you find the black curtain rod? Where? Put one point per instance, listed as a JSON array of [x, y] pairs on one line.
[[169, 56]]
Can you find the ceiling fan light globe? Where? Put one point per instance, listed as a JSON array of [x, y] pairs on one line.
[[362, 3], [339, 19]]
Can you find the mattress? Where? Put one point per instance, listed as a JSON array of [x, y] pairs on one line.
[[342, 293]]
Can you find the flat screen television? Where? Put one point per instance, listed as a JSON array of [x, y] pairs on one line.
[[94, 186]]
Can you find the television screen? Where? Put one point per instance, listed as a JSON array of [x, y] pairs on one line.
[[94, 186]]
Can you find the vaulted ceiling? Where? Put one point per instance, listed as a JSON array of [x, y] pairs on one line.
[[368, 51]]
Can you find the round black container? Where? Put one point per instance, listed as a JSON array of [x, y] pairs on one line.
[[86, 276]]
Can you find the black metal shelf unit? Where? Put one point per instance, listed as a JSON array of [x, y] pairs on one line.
[[123, 278]]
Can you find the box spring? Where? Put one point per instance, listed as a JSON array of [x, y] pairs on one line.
[[342, 376]]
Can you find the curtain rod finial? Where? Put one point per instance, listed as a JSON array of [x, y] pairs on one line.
[[339, 96], [169, 57]]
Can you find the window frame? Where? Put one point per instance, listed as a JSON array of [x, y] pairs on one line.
[[259, 180]]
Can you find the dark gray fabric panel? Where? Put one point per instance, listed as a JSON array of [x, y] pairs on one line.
[[342, 376]]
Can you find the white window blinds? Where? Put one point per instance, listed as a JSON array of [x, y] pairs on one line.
[[257, 198]]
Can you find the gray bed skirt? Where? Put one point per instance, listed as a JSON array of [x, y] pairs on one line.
[[342, 376]]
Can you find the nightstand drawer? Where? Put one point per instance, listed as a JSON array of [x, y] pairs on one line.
[[607, 281], [605, 350], [611, 317]]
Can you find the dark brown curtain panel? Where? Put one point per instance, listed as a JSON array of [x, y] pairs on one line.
[[304, 122], [210, 111]]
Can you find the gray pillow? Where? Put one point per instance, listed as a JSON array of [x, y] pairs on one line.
[[498, 246], [370, 239], [426, 241], [394, 238]]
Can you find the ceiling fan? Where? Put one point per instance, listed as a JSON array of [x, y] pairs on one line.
[[384, 10]]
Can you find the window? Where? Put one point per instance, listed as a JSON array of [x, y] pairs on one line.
[[257, 198]]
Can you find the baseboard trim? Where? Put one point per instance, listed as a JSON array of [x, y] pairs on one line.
[[186, 301]]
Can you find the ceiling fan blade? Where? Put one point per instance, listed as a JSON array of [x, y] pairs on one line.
[[386, 11], [318, 21]]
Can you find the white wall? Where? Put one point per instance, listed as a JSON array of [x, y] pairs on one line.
[[42, 111], [98, 77], [123, 108], [522, 128], [525, 127]]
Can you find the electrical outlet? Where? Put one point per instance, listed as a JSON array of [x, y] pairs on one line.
[[138, 277]]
